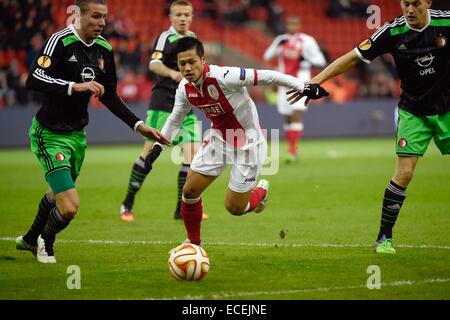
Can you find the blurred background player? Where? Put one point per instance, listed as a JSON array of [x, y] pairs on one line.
[[235, 137], [297, 52], [163, 63], [72, 65], [418, 41]]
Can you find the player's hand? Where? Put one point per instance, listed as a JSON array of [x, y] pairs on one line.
[[176, 76], [93, 87], [311, 91], [152, 134], [151, 157]]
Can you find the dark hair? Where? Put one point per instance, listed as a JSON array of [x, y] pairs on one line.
[[83, 3], [188, 43]]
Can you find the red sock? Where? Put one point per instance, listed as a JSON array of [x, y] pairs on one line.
[[192, 218], [256, 195], [293, 136]]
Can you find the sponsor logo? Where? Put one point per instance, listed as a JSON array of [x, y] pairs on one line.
[[425, 61], [250, 180], [213, 93], [225, 74], [44, 62], [402, 47], [242, 76], [60, 157], [394, 206], [73, 59], [88, 74], [441, 42], [402, 143], [365, 45], [213, 110], [192, 95], [157, 55]]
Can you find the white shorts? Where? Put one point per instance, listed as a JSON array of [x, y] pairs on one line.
[[283, 105], [215, 155]]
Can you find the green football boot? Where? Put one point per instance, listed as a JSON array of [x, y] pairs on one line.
[[384, 245], [22, 245]]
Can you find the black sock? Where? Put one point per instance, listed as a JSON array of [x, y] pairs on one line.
[[182, 174], [137, 178], [46, 204], [394, 195], [55, 224]]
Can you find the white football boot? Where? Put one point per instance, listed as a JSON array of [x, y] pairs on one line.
[[43, 255]]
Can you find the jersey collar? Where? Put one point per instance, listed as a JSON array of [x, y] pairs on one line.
[[175, 31], [426, 26], [79, 38]]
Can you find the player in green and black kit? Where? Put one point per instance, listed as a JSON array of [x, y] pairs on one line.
[[164, 64], [73, 64], [419, 42]]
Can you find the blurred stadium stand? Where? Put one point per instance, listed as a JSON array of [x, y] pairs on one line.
[[236, 32]]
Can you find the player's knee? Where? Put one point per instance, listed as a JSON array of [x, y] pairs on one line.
[[190, 192], [69, 209], [404, 176], [234, 209]]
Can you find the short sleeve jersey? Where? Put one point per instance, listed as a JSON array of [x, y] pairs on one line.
[[422, 58]]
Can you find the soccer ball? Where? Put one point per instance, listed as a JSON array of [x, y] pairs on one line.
[[188, 262]]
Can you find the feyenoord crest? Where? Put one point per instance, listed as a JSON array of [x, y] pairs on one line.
[[402, 143], [365, 45], [213, 93], [60, 157], [101, 63], [441, 42], [44, 62]]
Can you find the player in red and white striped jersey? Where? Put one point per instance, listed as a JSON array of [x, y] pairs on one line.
[[297, 52]]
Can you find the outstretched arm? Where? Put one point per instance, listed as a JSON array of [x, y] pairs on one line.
[[236, 78], [339, 66]]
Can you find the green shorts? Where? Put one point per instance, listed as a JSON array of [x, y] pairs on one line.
[[57, 152], [189, 129], [414, 133]]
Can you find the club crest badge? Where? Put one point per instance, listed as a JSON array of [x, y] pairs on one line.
[[441, 42], [213, 93], [60, 157], [402, 143], [101, 64]]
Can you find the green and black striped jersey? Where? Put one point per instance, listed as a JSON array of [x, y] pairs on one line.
[[422, 58], [163, 92], [66, 59]]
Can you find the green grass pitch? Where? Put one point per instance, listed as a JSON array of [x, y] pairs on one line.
[[327, 205]]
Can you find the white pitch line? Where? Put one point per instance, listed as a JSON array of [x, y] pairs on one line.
[[247, 244], [226, 295]]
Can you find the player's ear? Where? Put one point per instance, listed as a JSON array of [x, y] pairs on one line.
[[429, 3]]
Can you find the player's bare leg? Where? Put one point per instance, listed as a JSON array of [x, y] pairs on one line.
[[192, 206], [394, 196]]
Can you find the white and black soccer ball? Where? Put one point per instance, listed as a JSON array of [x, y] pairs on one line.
[[188, 262]]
